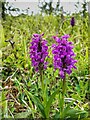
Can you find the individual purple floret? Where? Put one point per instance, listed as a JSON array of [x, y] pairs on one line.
[[63, 55], [38, 52], [72, 21]]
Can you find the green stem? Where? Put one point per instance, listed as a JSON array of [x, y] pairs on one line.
[[42, 82], [63, 91], [62, 98], [41, 79], [72, 30]]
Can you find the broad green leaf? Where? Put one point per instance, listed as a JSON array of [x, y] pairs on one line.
[[67, 108], [75, 114], [37, 103], [47, 108], [57, 116], [39, 106]]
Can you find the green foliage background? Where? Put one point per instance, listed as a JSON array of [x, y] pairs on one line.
[[18, 76]]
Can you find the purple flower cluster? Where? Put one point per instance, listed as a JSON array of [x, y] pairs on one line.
[[72, 21], [63, 55], [38, 52]]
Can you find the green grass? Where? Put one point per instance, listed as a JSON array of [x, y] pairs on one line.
[[18, 74]]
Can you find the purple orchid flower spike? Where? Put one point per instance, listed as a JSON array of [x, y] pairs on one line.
[[72, 21], [38, 52], [63, 55]]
